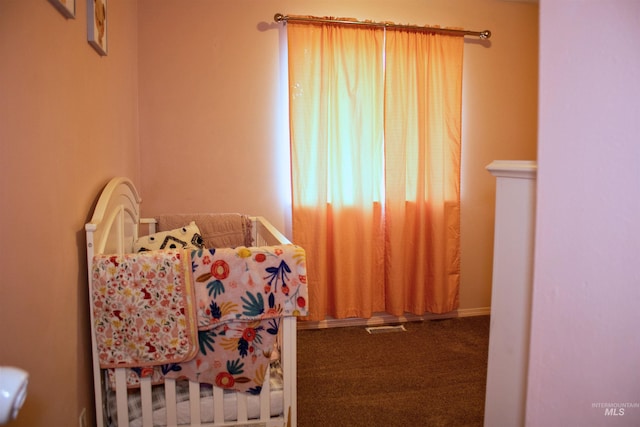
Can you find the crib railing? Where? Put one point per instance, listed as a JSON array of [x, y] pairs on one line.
[[263, 233], [194, 401]]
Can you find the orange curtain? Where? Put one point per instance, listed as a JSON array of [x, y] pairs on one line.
[[423, 108], [375, 168]]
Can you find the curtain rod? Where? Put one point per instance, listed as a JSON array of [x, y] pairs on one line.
[[486, 34]]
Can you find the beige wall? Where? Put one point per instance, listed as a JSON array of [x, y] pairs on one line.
[[213, 122], [195, 86], [68, 122]]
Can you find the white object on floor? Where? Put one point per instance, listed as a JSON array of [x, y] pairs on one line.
[[13, 392]]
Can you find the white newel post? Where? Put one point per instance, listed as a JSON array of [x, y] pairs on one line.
[[511, 292]]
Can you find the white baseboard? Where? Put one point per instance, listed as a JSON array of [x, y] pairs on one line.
[[386, 319]]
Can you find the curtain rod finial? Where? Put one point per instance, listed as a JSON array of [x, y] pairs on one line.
[[486, 34], [278, 17]]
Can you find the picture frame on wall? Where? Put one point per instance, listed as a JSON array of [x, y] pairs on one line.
[[66, 7], [97, 25]]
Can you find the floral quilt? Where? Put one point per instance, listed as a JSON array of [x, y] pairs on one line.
[[241, 295], [143, 309]]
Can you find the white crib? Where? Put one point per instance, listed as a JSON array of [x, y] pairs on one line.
[[113, 228]]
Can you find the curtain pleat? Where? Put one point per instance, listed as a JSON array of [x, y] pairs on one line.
[[375, 155], [423, 98], [336, 116]]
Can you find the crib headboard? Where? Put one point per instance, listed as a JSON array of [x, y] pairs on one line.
[[113, 229], [114, 225]]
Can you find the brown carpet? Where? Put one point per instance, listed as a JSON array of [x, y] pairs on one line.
[[434, 374]]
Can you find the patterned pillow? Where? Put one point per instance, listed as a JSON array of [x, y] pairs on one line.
[[185, 237]]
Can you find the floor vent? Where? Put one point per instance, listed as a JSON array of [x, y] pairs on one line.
[[385, 329]]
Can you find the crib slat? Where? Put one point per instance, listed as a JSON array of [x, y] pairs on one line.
[[265, 397], [147, 409], [218, 405], [289, 368], [207, 409], [194, 403], [241, 403], [121, 397], [170, 398]]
